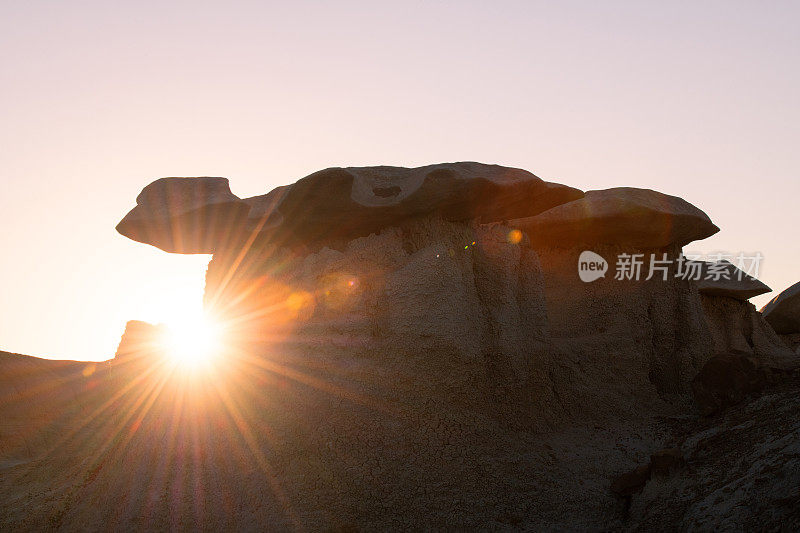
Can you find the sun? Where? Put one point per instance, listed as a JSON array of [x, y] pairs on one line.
[[192, 342]]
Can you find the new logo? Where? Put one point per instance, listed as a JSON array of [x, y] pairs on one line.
[[591, 266]]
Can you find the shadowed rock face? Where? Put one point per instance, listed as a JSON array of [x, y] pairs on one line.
[[724, 279], [185, 215], [736, 327], [623, 215], [637, 338], [453, 307], [340, 204], [725, 380], [743, 469], [783, 312], [469, 313]]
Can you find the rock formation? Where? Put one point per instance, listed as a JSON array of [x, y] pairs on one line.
[[639, 218], [416, 349], [783, 312], [185, 215], [467, 273], [737, 327], [725, 380], [140, 339], [336, 205], [722, 278]]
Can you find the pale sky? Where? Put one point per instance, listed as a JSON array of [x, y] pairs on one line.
[[695, 99]]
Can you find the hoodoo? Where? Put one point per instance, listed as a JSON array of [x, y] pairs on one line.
[[415, 348]]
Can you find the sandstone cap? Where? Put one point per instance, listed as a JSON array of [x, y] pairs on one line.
[[623, 215], [185, 215]]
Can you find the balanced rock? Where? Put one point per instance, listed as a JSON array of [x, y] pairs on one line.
[[185, 215], [783, 312], [622, 216], [722, 278], [415, 358], [340, 204]]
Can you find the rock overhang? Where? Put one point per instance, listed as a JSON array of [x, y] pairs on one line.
[[335, 204], [345, 203], [640, 218], [723, 278], [185, 215], [783, 311]]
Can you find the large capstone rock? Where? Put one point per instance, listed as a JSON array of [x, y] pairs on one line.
[[186, 215], [340, 204], [620, 216], [722, 278], [783, 312]]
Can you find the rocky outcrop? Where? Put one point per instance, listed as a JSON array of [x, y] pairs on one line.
[[725, 380], [792, 340], [406, 263], [499, 310], [742, 474], [473, 311], [662, 463], [185, 215], [722, 278], [665, 462], [141, 343], [336, 205], [647, 322], [783, 312], [454, 302], [415, 349], [631, 482], [621, 216], [736, 326], [333, 206], [649, 331]]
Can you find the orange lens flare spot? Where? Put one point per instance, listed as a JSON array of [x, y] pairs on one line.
[[514, 236], [301, 304]]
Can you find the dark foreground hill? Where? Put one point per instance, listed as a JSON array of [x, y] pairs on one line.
[[290, 445]]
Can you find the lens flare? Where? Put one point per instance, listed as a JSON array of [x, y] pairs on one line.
[[193, 343], [514, 236]]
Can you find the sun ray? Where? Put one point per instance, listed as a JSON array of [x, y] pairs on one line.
[[255, 450]]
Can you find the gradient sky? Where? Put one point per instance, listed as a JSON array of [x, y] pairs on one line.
[[696, 99]]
